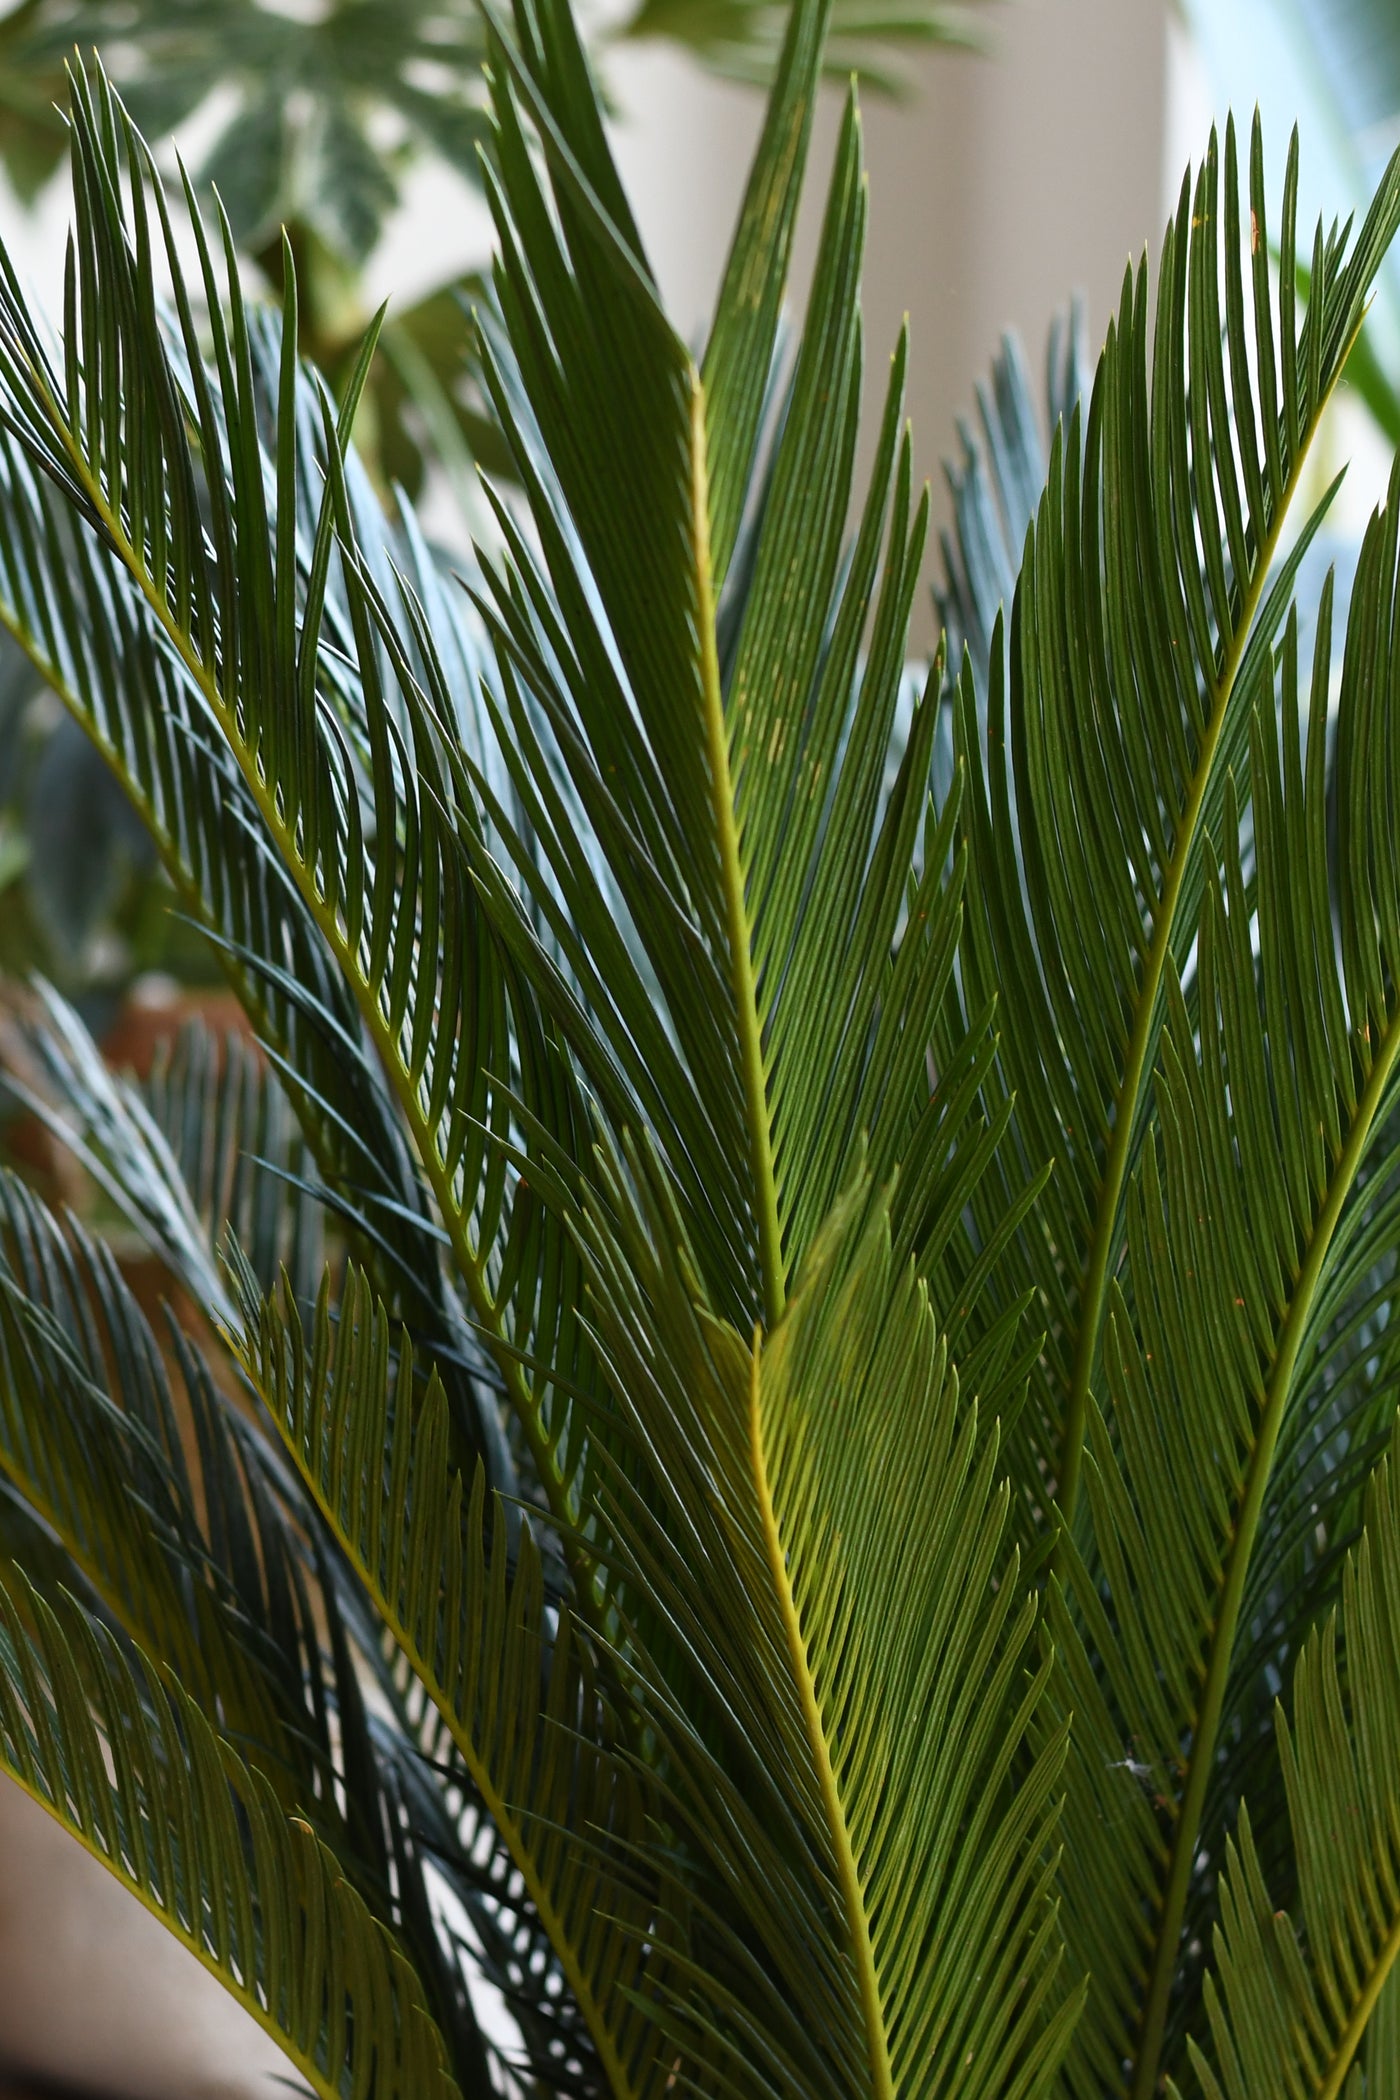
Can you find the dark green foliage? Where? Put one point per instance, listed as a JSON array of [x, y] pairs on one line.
[[803, 1266]]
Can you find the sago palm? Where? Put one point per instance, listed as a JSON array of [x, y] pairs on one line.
[[792, 1454]]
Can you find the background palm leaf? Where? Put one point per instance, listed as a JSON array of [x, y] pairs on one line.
[[321, 115]]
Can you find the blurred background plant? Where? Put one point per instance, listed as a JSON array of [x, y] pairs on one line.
[[1333, 67], [308, 120]]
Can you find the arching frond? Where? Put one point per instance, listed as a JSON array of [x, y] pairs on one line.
[[190, 1559], [512, 1683], [1257, 1216], [160, 1505], [133, 1770], [1289, 2004], [1152, 593], [240, 636], [95, 640]]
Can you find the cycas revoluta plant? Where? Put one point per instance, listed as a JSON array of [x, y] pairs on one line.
[[825, 1513]]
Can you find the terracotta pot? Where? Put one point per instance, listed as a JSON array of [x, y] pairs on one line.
[[153, 1012]]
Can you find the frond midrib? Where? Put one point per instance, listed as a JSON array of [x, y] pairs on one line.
[[746, 1013], [1352, 2035], [857, 1918], [1128, 1099], [1225, 1621]]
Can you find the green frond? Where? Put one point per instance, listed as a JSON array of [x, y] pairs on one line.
[[997, 484], [1258, 1214], [249, 625], [738, 365], [1153, 590], [716, 683], [511, 1681], [805, 1670], [132, 1769], [159, 1504], [724, 1057], [94, 640], [937, 1660], [1289, 2006]]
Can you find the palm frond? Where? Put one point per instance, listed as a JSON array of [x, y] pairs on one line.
[[211, 1571], [1289, 2005], [997, 484], [92, 1436], [774, 950], [146, 625], [131, 1768], [690, 1078], [1260, 1209], [161, 1507], [1145, 616]]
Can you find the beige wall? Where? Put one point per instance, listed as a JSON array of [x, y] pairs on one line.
[[95, 1992]]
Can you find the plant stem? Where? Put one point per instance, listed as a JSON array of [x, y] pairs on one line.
[[770, 1236], [847, 1867], [1361, 2012]]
